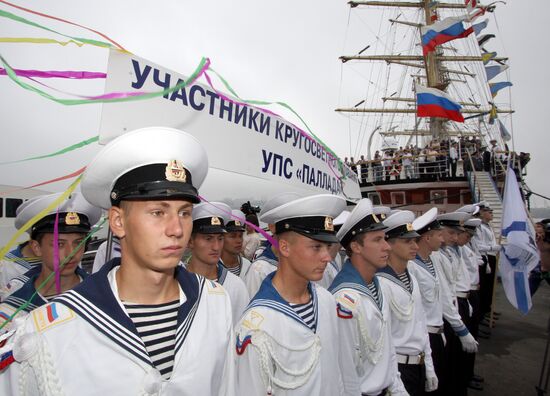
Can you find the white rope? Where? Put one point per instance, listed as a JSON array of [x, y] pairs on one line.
[[270, 362], [403, 314], [369, 348]]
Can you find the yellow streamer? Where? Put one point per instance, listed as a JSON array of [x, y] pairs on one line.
[[33, 40], [43, 213]]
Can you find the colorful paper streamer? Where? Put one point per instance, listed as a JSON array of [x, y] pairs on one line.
[[56, 253], [112, 97], [38, 40], [74, 75], [63, 20], [58, 152], [69, 176]]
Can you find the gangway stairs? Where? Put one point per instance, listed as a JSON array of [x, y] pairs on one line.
[[483, 188]]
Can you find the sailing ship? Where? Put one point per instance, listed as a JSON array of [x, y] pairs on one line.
[[434, 50]]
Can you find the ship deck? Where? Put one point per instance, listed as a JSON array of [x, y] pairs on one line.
[[511, 359]]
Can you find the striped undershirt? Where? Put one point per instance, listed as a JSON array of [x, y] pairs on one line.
[[430, 266], [306, 312], [374, 291], [156, 325], [404, 277], [235, 270]]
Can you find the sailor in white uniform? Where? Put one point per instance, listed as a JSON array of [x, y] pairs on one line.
[[206, 246], [367, 353], [73, 220], [408, 319], [428, 279], [287, 339], [231, 258], [456, 273], [487, 244], [142, 325], [473, 261], [265, 259], [19, 260]]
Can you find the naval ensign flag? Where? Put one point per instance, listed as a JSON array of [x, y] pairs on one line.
[[519, 254]]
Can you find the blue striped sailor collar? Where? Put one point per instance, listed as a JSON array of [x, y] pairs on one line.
[[269, 297], [349, 278], [422, 264], [96, 301], [268, 255], [388, 273], [221, 272], [16, 257], [27, 292]]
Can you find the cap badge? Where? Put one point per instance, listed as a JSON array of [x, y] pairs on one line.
[[175, 172], [461, 222], [410, 227], [382, 216], [72, 218], [215, 221], [375, 218], [329, 226], [238, 223]]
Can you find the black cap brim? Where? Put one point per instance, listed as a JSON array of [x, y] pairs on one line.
[[321, 237], [209, 229]]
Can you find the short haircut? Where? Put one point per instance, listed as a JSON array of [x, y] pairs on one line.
[[252, 218], [359, 239]]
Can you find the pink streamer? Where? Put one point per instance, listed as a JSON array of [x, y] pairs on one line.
[[56, 253], [270, 238], [76, 75]]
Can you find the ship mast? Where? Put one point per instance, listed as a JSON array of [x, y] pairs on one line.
[[436, 75]]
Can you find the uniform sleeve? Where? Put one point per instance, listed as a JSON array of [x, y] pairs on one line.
[[251, 246], [348, 341], [397, 387], [450, 310], [99, 258], [229, 379], [242, 300]]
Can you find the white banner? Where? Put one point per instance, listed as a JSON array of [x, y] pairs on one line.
[[253, 154]]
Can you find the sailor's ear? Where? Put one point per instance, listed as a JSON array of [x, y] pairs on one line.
[[284, 246], [35, 247], [116, 221]]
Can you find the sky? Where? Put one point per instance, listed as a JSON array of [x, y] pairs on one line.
[[284, 50]]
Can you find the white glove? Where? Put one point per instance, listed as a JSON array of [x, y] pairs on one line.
[[470, 309], [431, 383], [488, 269], [469, 344]]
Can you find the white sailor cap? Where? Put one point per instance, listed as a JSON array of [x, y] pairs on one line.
[[210, 217], [472, 209], [426, 222], [340, 220], [484, 205], [277, 201], [382, 212], [148, 163], [235, 223], [75, 214], [400, 225], [454, 219], [361, 220], [471, 225], [393, 211], [311, 216]]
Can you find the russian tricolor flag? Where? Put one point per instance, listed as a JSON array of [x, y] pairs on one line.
[[431, 102], [443, 31]]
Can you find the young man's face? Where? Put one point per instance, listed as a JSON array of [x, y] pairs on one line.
[[153, 234], [207, 248], [404, 248], [306, 257], [434, 239], [372, 248], [66, 243], [486, 215], [463, 238], [233, 242], [450, 236]]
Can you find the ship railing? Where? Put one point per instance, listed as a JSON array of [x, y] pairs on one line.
[[432, 166]]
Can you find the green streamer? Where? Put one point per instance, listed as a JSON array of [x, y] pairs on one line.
[[59, 152]]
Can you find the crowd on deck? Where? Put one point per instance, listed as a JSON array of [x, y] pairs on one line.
[[438, 160]]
